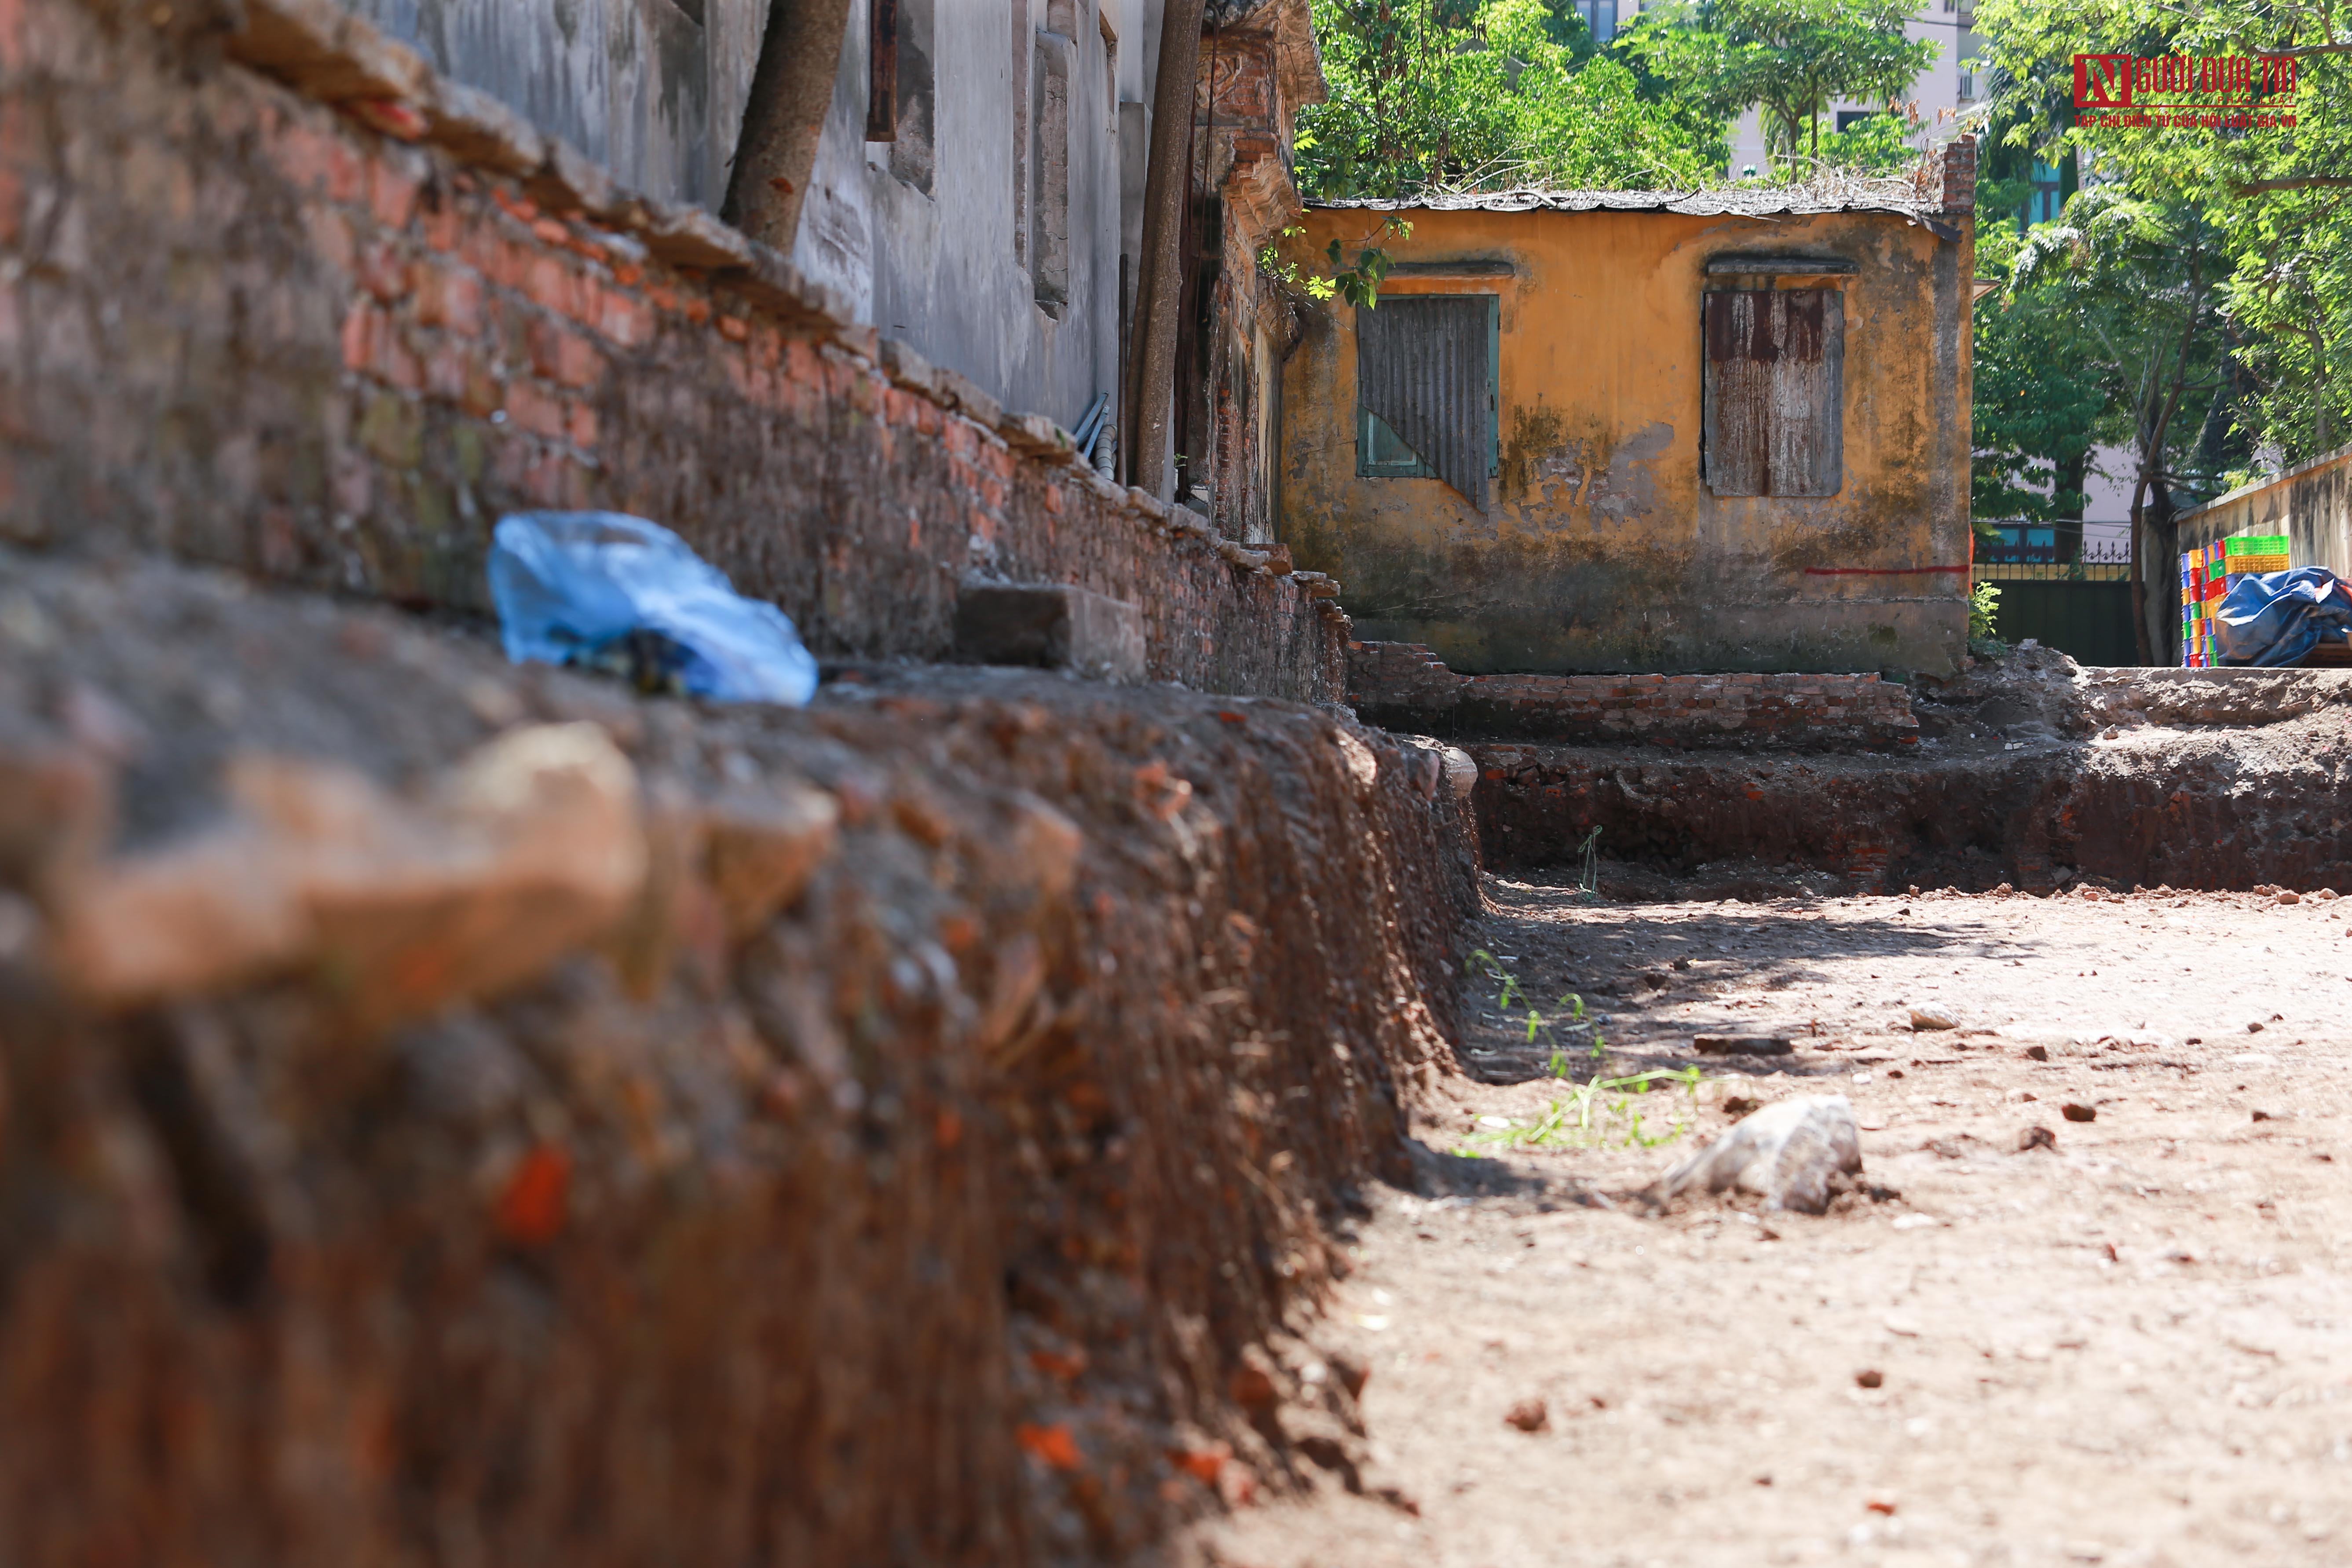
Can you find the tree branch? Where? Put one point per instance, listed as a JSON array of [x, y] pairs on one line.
[[2300, 183]]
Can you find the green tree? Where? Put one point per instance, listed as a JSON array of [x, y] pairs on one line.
[[2211, 259], [2038, 399], [1789, 59], [1487, 94]]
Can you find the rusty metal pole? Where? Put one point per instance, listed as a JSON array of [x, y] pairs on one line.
[[783, 118], [1151, 391]]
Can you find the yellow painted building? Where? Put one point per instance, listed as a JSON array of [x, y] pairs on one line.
[[1726, 431]]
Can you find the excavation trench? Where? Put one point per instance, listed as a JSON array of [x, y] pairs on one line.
[[457, 1113], [2029, 772]]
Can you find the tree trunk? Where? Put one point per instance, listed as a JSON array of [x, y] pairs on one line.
[[1167, 183], [2155, 424], [783, 118]]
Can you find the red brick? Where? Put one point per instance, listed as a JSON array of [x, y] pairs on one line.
[[12, 35], [564, 356], [443, 226], [382, 273], [392, 192], [551, 284], [583, 426], [530, 408], [359, 328], [447, 296], [735, 328], [300, 154], [458, 372], [330, 233], [624, 318]]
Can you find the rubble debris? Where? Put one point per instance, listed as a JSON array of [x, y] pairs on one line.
[[1794, 1154], [2072, 1111], [529, 848], [1870, 1377], [1529, 1416], [2034, 1138], [1928, 1018]]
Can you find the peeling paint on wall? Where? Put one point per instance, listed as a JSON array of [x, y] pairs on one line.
[[1603, 548], [653, 89]]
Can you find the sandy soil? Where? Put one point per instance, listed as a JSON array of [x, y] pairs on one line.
[[2129, 1348]]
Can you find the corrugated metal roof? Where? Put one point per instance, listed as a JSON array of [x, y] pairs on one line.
[[1900, 197]]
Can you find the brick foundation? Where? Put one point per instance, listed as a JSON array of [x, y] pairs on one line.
[[1403, 686], [326, 329]]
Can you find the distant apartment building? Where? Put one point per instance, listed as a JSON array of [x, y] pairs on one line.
[[1947, 89]]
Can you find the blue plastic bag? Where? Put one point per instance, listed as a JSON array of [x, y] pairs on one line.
[[603, 590], [2277, 617]]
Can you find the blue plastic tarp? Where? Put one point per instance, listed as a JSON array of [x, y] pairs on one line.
[[2277, 617], [606, 591]]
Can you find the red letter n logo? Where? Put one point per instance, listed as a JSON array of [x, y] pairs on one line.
[[2103, 81]]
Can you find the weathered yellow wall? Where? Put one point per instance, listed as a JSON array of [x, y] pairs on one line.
[[1602, 549]]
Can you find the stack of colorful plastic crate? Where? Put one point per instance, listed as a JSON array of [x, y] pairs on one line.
[[2207, 576], [2247, 553], [2196, 612]]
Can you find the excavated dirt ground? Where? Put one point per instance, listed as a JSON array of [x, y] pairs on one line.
[[2127, 1349]]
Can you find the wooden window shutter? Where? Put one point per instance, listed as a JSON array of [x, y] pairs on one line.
[[1775, 415], [1424, 364]]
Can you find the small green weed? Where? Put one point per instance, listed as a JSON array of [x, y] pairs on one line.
[[1601, 1113], [1512, 995]]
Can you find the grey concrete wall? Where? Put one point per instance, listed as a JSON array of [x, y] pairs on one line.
[[934, 238], [2311, 505], [948, 268], [651, 88]]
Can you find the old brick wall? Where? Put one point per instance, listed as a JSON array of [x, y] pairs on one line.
[[599, 1131], [1405, 687], [327, 324]]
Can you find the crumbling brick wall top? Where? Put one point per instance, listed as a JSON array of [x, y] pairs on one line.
[[1404, 685]]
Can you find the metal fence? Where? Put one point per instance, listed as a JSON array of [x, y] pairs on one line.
[[2060, 542], [2053, 572], [2080, 608]]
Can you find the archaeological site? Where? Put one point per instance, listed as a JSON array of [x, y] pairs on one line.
[[814, 783]]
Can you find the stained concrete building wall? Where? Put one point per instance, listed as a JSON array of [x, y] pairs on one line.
[[1602, 547], [2311, 505], [653, 89], [942, 238]]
